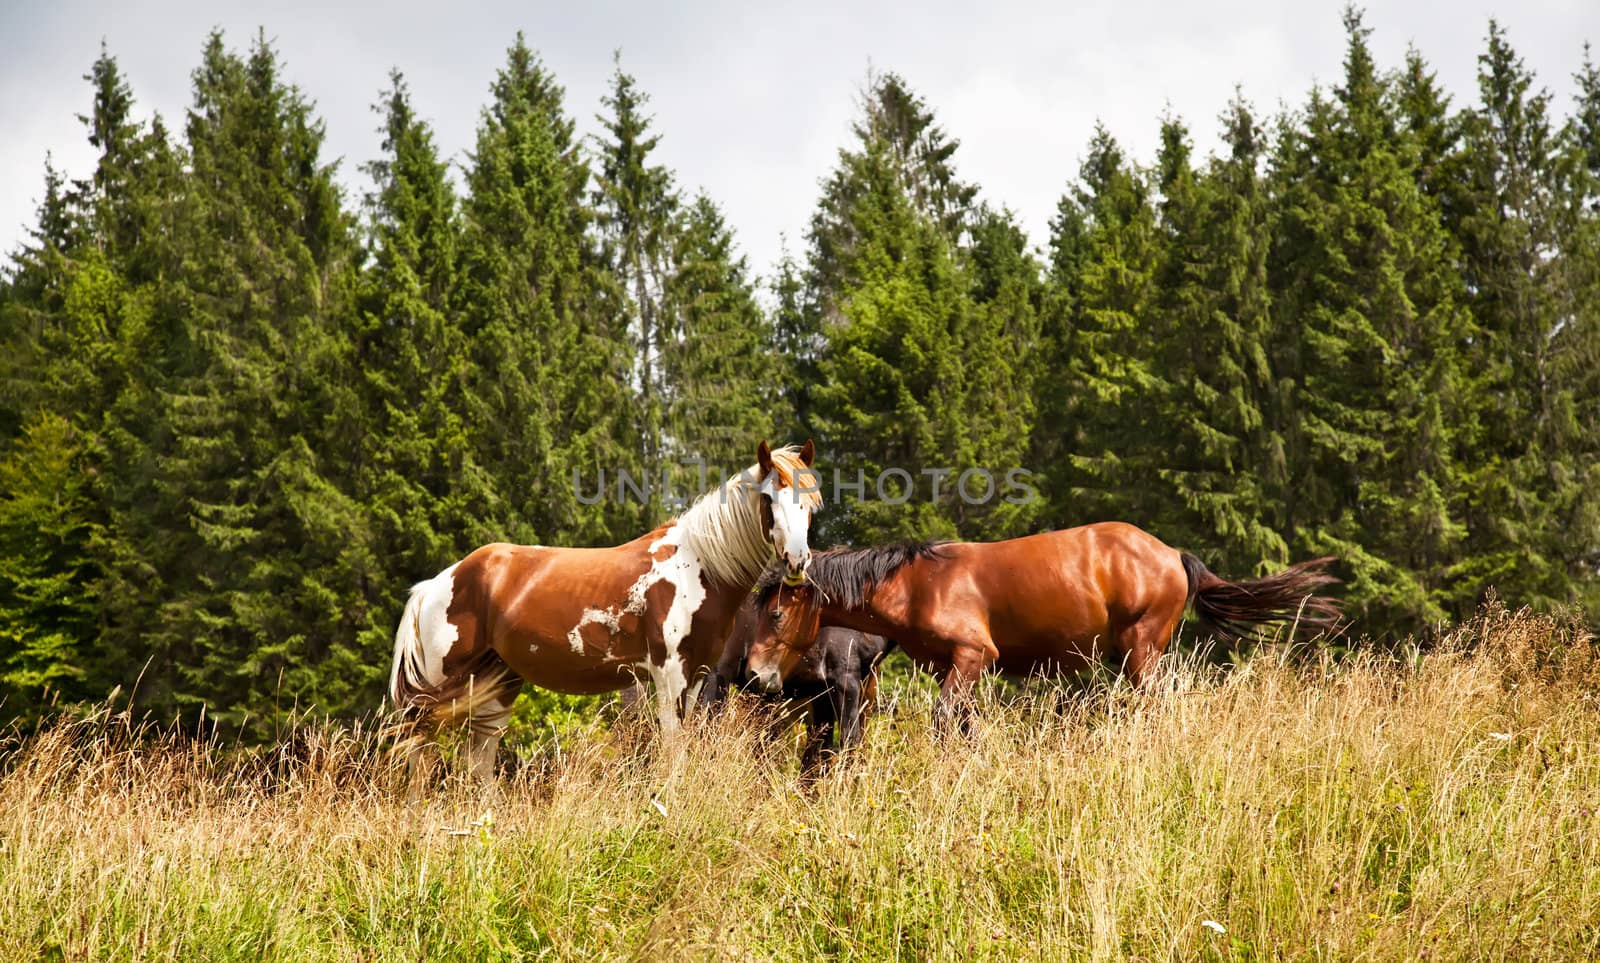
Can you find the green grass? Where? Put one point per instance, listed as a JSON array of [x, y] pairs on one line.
[[1440, 805]]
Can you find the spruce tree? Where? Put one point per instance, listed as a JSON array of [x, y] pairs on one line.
[[1574, 406], [889, 397], [258, 538], [1107, 237], [797, 345], [48, 569], [1524, 503], [418, 483], [719, 375], [635, 206], [1434, 132], [1371, 309], [86, 347], [1218, 460], [1000, 347], [890, 292], [897, 132], [548, 400]]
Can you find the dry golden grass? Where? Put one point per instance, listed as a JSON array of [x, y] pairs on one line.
[[1440, 805]]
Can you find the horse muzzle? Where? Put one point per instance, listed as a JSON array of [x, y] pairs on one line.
[[769, 680]]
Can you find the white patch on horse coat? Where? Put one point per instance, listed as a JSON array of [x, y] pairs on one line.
[[425, 634], [435, 632], [610, 618], [681, 570]]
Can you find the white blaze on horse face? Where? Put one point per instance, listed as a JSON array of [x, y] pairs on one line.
[[791, 525], [434, 630]]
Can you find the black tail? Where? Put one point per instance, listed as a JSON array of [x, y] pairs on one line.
[[1237, 610]]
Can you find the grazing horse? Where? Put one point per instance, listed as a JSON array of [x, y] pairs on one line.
[[591, 620], [834, 683], [1058, 601]]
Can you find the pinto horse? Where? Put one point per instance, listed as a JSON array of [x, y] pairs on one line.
[[1058, 601], [592, 620]]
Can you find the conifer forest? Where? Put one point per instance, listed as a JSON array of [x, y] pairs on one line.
[[246, 405]]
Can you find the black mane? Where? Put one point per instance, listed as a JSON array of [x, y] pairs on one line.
[[847, 576]]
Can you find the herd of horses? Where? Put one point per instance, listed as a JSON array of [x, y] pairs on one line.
[[699, 604]]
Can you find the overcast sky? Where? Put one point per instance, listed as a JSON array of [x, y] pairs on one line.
[[752, 102]]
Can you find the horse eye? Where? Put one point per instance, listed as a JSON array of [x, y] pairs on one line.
[[777, 615]]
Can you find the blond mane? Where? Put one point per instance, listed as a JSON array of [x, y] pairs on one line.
[[724, 526]]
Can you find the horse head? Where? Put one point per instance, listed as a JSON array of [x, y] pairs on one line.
[[790, 494], [787, 618]]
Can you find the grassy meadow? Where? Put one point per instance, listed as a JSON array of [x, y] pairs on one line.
[[1439, 804]]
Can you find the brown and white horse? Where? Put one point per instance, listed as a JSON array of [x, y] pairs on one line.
[[591, 620], [1050, 602]]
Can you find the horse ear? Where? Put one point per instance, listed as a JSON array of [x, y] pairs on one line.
[[764, 458], [808, 454]]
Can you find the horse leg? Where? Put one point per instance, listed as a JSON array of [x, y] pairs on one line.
[[726, 672], [628, 700], [669, 688], [1143, 642], [954, 705], [694, 695], [483, 740], [850, 712], [713, 692], [819, 740], [422, 765]]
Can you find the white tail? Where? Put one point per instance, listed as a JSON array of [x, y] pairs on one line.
[[408, 657]]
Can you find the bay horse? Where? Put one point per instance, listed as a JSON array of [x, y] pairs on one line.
[[1058, 601], [592, 620], [833, 685]]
